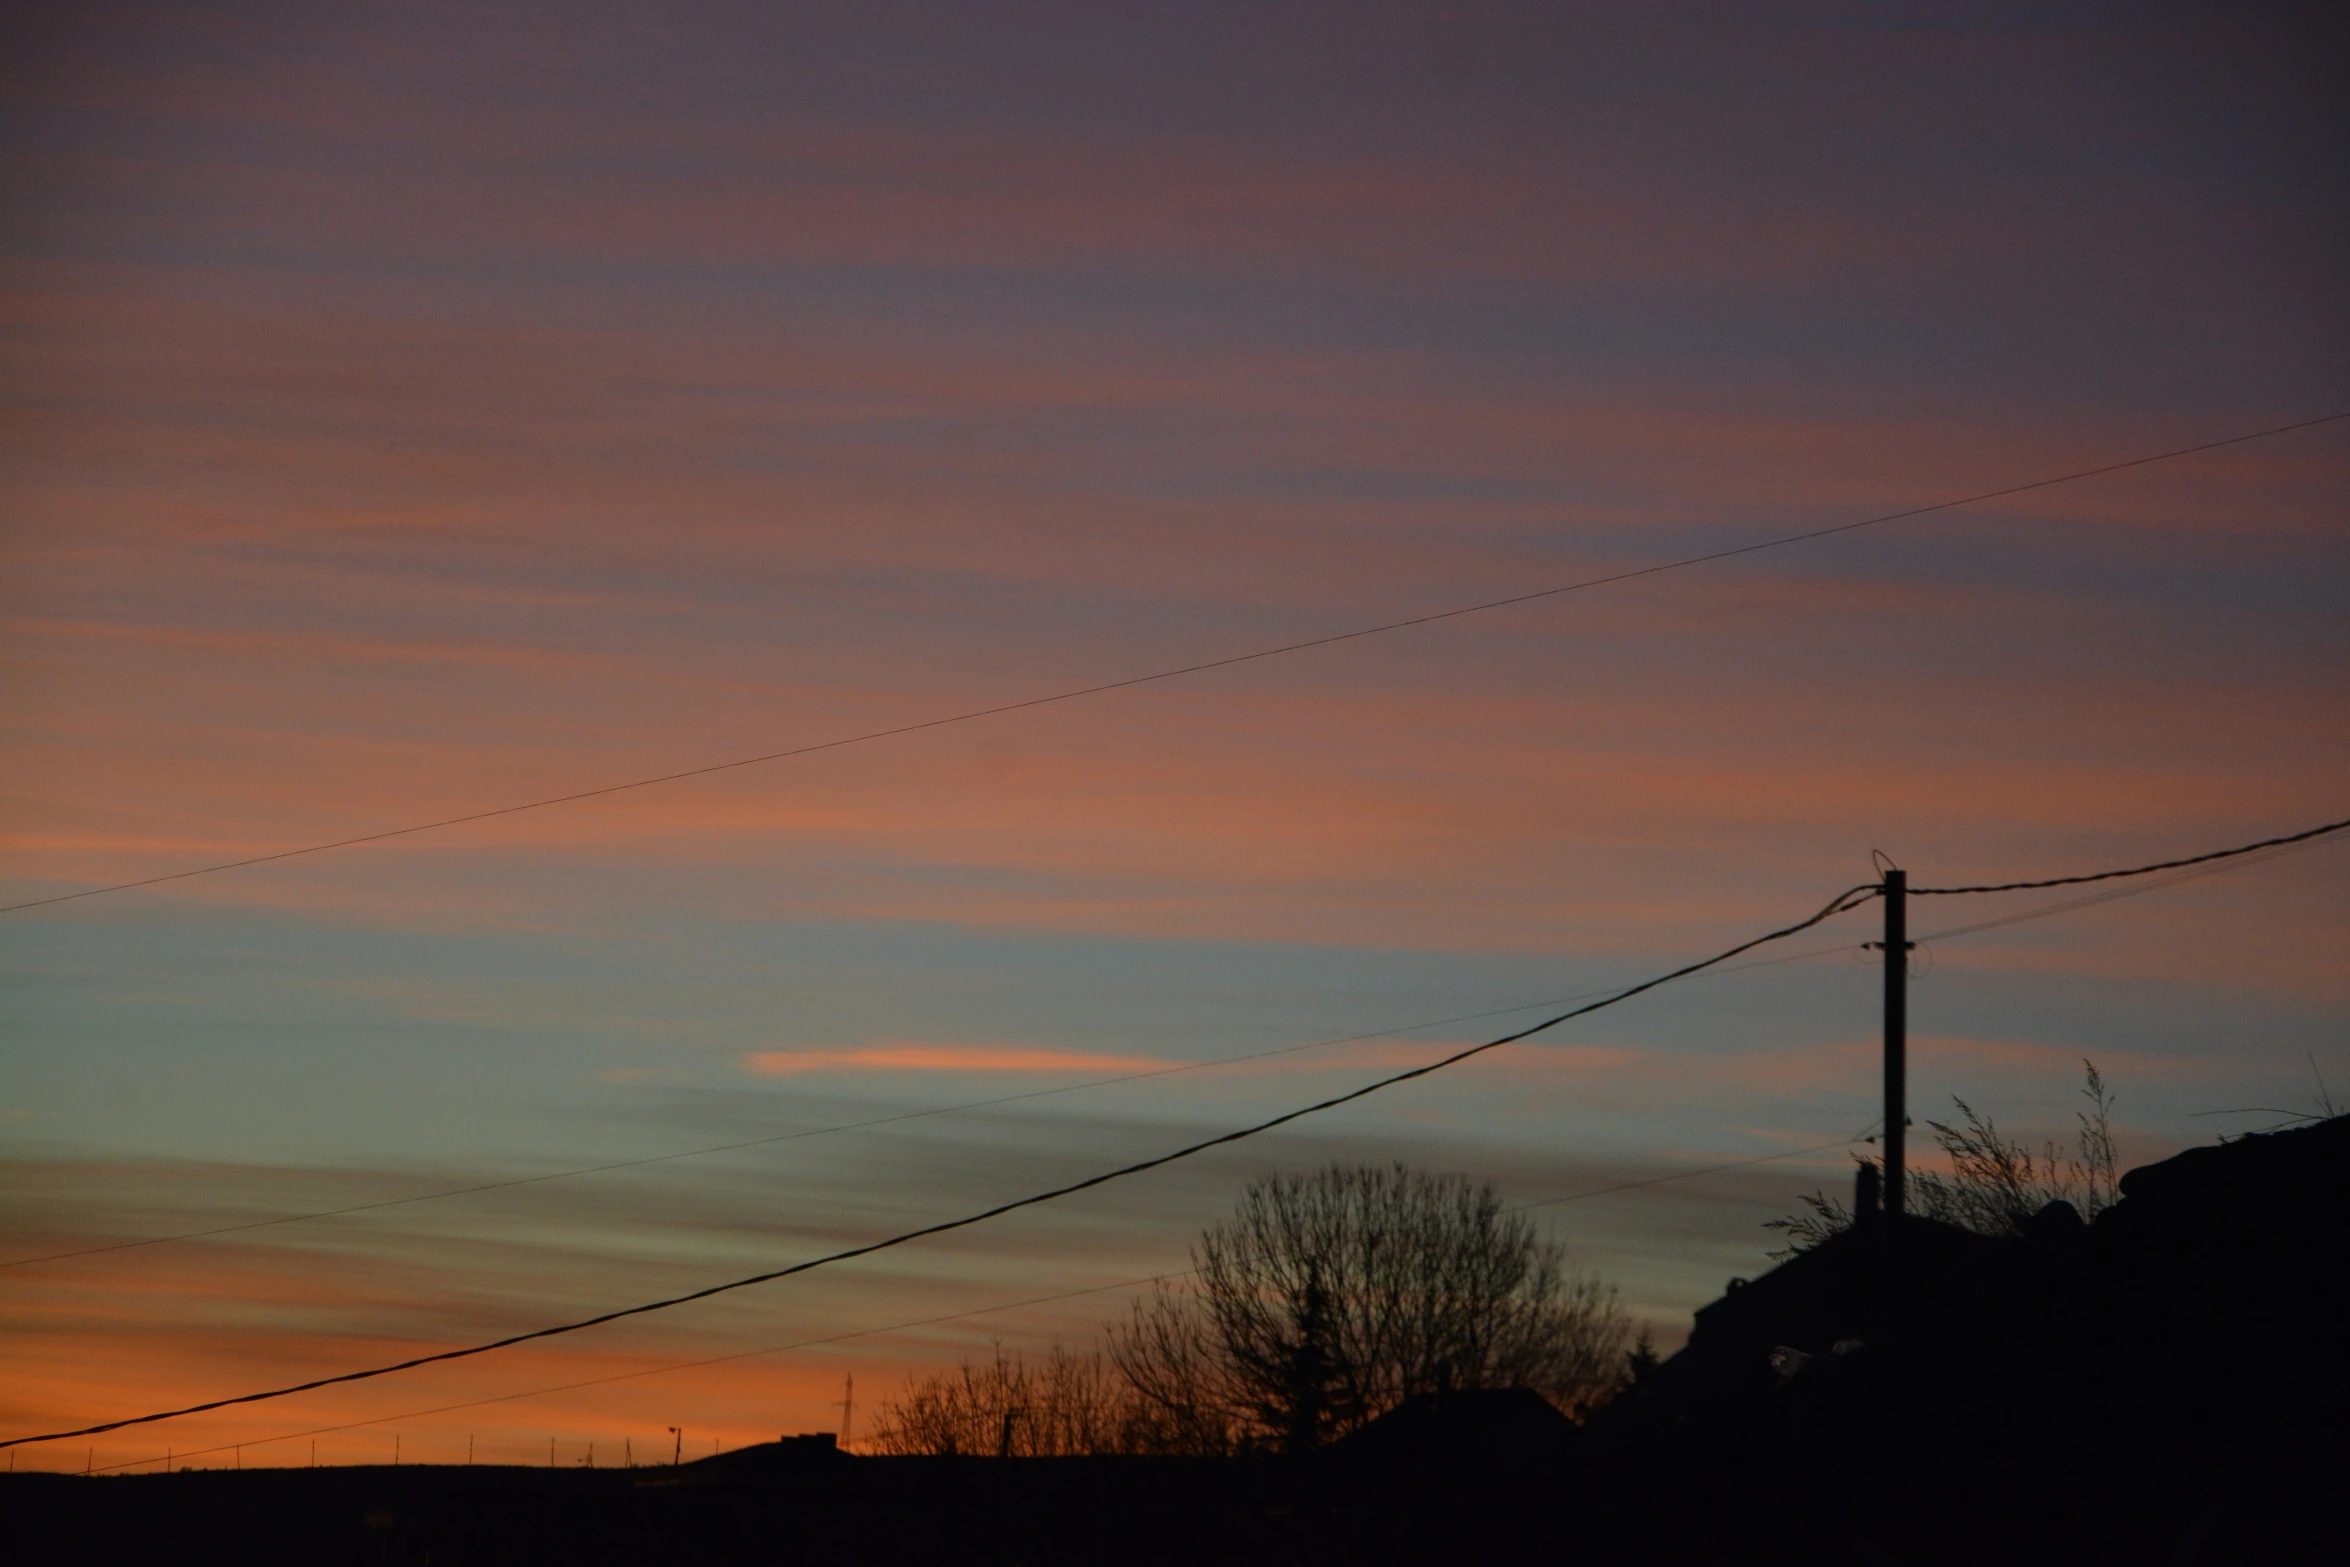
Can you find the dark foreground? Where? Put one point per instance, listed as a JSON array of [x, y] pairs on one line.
[[1759, 1509], [2169, 1385]]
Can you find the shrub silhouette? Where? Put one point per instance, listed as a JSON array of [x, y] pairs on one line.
[[1995, 1182]]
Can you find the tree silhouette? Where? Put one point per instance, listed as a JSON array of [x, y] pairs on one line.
[[1324, 1301], [1327, 1299]]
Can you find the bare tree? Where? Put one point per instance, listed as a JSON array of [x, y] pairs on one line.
[[1012, 1408], [1328, 1298], [1995, 1182], [1185, 1399]]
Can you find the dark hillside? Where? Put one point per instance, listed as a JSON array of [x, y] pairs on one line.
[[2168, 1384]]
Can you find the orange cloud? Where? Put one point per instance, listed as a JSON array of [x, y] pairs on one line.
[[943, 1058]]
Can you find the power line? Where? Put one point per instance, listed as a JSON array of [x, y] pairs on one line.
[[2254, 855], [1187, 669], [654, 1371], [903, 1327], [785, 1137], [1850, 898], [854, 1126], [2140, 870], [2266, 850]]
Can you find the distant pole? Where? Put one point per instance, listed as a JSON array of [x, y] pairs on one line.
[[1896, 1037], [677, 1451], [848, 1406]]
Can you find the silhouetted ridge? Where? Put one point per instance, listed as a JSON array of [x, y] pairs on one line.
[[2164, 1384]]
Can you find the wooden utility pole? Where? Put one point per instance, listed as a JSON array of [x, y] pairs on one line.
[[1896, 1037], [848, 1406], [1012, 1413]]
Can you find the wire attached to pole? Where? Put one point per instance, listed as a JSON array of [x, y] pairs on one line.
[[2138, 870], [1848, 899]]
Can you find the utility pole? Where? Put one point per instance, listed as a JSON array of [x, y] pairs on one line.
[[1011, 1413], [848, 1407], [1896, 1037]]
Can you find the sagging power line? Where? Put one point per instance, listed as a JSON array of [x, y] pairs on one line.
[[1893, 888], [1201, 667], [1851, 898], [2196, 867], [2141, 870], [785, 1137], [825, 1340], [1244, 1058]]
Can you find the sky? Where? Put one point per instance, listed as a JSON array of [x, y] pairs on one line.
[[414, 410]]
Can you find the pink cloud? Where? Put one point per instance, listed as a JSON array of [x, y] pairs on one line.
[[943, 1058]]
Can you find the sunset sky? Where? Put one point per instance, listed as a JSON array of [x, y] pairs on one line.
[[413, 410]]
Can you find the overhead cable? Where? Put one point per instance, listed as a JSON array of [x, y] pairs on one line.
[[1201, 667], [2115, 894], [858, 1126], [2266, 849], [1850, 898], [919, 1322], [786, 1137], [2138, 870]]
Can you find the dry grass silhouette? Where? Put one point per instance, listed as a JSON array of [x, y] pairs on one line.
[[1995, 1183]]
